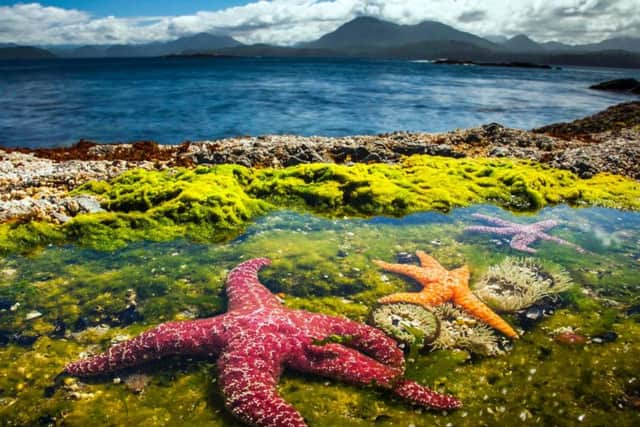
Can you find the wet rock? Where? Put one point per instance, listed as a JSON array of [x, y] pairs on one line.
[[633, 310], [32, 315], [25, 339], [499, 152], [129, 315], [406, 258], [6, 303], [606, 337], [47, 420], [531, 316], [59, 329], [570, 339], [81, 324], [619, 85], [5, 338]]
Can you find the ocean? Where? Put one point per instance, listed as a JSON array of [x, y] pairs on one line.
[[170, 100]]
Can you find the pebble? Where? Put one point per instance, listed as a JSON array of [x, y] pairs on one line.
[[570, 339], [606, 337], [32, 315]]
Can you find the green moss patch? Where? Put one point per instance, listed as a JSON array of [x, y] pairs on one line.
[[216, 203]]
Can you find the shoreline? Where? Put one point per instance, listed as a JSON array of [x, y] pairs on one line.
[[35, 184]]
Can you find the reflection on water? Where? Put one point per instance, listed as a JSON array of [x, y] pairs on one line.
[[63, 301]]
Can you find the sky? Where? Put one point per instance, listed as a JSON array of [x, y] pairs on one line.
[[287, 22]]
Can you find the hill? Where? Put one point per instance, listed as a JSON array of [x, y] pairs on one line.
[[24, 52]]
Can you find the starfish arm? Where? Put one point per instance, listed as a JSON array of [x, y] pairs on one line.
[[415, 272], [249, 378], [461, 275], [428, 262], [244, 288], [493, 220], [425, 298], [501, 231], [346, 364], [550, 238], [420, 395], [464, 298], [545, 225], [197, 337], [369, 340], [521, 242]]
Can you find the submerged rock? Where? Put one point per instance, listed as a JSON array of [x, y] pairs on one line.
[[570, 338], [619, 85], [605, 337]]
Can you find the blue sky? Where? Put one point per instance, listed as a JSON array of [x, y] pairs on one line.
[[124, 8]]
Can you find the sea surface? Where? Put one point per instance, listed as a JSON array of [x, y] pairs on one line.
[[170, 100]]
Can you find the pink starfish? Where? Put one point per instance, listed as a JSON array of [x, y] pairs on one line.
[[523, 234], [257, 338]]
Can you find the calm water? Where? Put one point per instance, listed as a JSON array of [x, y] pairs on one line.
[[67, 301], [57, 102]]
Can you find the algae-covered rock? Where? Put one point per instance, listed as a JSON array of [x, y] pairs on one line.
[[216, 203]]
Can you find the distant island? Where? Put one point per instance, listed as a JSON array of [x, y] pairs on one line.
[[367, 37]]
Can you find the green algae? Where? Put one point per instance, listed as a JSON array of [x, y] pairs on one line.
[[539, 380], [213, 204]]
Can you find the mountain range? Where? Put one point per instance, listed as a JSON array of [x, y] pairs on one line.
[[367, 37]]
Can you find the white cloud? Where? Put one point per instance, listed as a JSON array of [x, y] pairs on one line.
[[292, 21]]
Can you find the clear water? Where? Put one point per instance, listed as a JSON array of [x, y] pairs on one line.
[[57, 102], [326, 265]]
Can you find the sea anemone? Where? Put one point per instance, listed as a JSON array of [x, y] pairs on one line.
[[461, 331], [411, 324], [518, 283]]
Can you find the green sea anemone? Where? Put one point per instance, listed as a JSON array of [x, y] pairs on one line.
[[458, 330], [518, 283], [411, 324]]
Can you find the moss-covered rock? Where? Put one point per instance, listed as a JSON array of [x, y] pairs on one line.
[[216, 203]]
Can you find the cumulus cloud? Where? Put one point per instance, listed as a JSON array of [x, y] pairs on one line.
[[472, 16], [291, 21]]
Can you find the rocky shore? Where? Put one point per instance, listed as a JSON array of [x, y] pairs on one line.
[[35, 184]]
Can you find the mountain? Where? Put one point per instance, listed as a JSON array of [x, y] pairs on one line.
[[367, 37], [557, 46], [522, 43], [24, 52], [497, 39], [629, 44], [366, 33], [201, 42]]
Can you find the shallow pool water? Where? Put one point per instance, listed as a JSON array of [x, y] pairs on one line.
[[63, 302]]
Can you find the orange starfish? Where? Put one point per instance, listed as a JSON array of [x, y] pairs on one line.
[[441, 285]]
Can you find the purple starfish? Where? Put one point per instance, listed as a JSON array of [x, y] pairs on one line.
[[257, 338], [523, 234]]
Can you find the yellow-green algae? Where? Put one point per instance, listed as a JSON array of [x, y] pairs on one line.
[[216, 203], [539, 382]]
